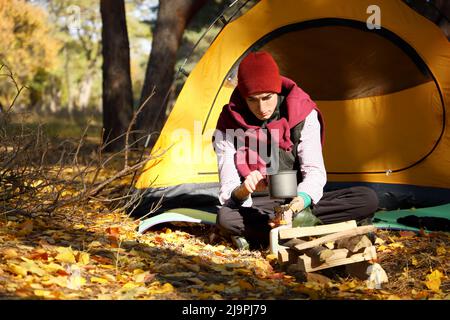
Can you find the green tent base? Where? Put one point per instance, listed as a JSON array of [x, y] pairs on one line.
[[382, 219]]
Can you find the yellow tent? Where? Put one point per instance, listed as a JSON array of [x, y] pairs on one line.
[[383, 93]]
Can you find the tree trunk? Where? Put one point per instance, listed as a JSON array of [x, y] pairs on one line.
[[117, 94], [173, 16]]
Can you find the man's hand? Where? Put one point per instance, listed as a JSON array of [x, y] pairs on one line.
[[296, 205], [285, 213], [255, 181]]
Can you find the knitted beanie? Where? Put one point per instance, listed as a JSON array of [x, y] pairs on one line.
[[258, 72]]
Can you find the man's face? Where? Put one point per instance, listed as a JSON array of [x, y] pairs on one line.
[[262, 105]]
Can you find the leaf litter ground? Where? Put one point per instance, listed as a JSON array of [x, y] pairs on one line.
[[89, 253]]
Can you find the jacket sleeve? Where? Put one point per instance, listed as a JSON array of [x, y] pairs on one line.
[[312, 165], [228, 174]]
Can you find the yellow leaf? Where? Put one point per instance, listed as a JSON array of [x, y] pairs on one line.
[[382, 248], [52, 267], [167, 287], [36, 183], [65, 255], [99, 280], [9, 253], [19, 270], [129, 285], [414, 261], [434, 281], [43, 293], [32, 267], [140, 277], [83, 258], [396, 245], [271, 257], [60, 281], [440, 251]]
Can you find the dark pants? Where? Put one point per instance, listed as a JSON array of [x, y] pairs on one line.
[[356, 203]]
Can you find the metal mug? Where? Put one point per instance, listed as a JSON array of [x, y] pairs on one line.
[[283, 185]]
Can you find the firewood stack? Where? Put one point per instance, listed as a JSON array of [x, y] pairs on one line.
[[322, 247]]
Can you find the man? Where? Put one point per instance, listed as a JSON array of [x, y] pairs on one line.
[[272, 109]]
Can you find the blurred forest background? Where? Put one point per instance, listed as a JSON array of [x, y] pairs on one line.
[[53, 49]]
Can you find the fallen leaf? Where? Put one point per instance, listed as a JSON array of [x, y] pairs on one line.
[[215, 287], [10, 253], [98, 280], [32, 267], [165, 288], [26, 227], [83, 258], [60, 281], [440, 251], [65, 255], [271, 257], [383, 248], [433, 281], [39, 256], [113, 231], [43, 293], [245, 285], [407, 233], [19, 270], [396, 245], [53, 267]]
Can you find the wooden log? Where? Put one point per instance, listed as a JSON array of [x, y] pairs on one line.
[[287, 256], [335, 236], [319, 253], [301, 232], [354, 244], [335, 255], [304, 261]]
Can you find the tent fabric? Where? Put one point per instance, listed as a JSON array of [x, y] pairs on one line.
[[383, 93]]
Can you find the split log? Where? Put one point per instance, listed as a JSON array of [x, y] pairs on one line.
[[289, 233], [335, 236], [287, 256], [354, 244], [305, 262], [318, 253]]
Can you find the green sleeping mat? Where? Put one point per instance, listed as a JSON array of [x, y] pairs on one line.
[[179, 215], [382, 219], [389, 219]]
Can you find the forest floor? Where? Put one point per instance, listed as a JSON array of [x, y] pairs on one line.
[[90, 250]]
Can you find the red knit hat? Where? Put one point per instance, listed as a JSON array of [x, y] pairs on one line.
[[258, 72]]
